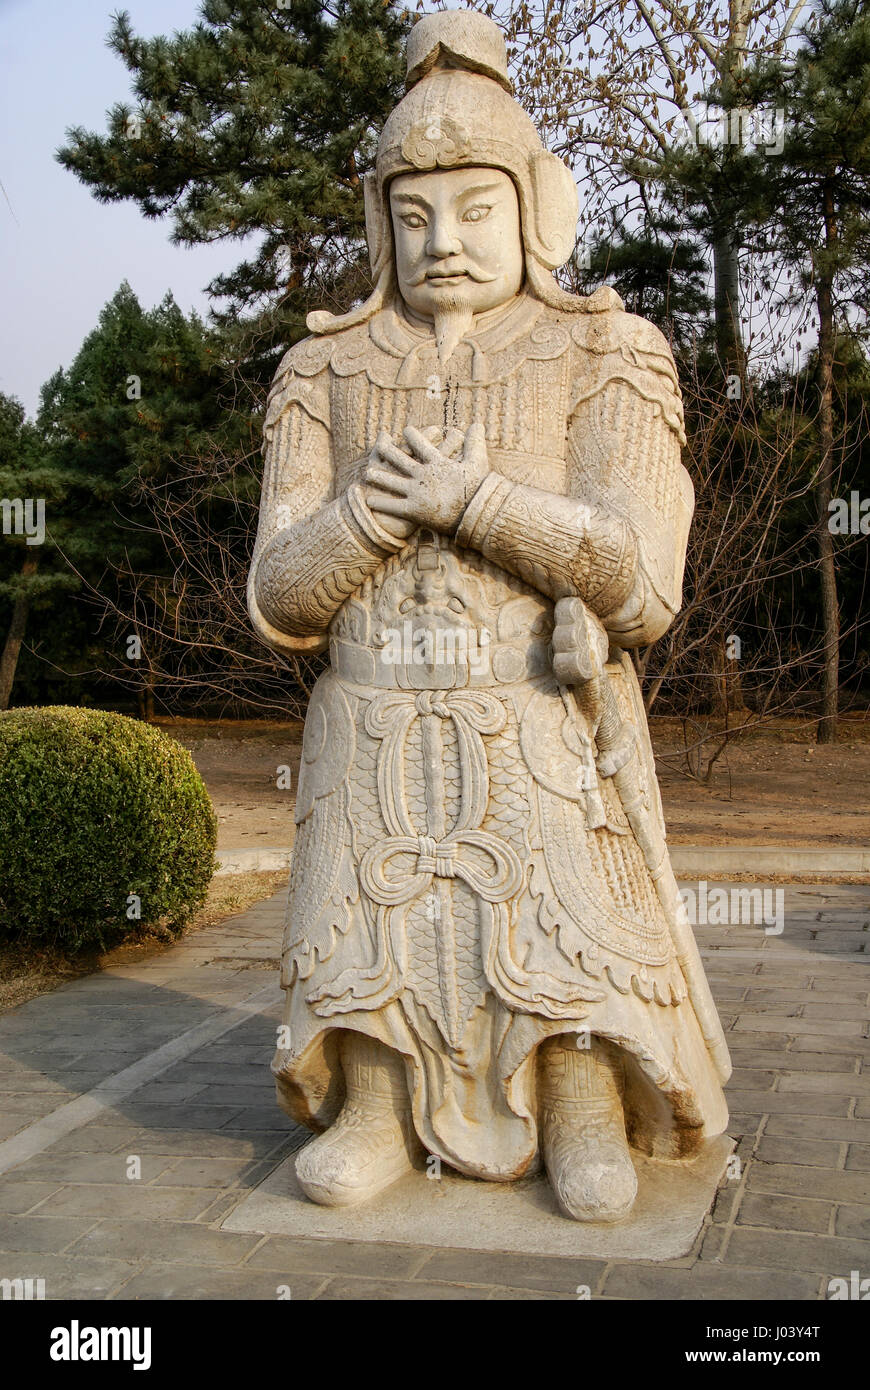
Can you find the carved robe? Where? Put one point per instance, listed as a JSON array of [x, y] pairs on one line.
[[464, 884]]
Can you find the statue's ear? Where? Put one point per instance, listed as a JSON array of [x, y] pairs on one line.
[[377, 230], [556, 208]]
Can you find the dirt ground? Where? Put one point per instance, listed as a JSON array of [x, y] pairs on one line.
[[773, 786]]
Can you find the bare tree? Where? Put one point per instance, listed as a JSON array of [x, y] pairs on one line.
[[743, 650], [615, 81]]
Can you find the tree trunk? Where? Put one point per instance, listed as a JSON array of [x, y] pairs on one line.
[[15, 635], [827, 730], [726, 304], [726, 267], [727, 687], [145, 701]]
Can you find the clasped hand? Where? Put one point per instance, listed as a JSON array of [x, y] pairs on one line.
[[429, 486]]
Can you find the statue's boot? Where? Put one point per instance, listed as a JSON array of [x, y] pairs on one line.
[[372, 1143], [584, 1144]]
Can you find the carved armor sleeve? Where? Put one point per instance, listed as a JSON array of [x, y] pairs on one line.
[[618, 540], [313, 549], [562, 546]]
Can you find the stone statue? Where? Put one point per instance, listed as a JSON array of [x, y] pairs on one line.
[[473, 497]]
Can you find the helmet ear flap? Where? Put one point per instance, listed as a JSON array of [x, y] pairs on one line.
[[377, 224], [556, 209]]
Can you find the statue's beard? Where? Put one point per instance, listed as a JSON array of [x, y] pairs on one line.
[[453, 315]]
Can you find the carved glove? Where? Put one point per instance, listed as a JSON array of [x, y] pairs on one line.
[[429, 486]]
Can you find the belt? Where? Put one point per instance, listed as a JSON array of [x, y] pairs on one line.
[[456, 664]]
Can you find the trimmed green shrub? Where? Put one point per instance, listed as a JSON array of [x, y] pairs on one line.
[[101, 817]]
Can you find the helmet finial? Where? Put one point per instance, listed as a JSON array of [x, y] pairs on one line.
[[457, 39]]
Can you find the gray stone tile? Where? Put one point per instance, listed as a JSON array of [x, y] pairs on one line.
[[214, 1172], [796, 1181], [27, 1083], [794, 1062], [17, 1197], [828, 1008], [742, 1042], [825, 1083], [858, 1156], [52, 1234], [740, 1125], [815, 1254], [93, 1168], [169, 1092], [384, 1291], [225, 1144], [854, 1221], [129, 1201], [752, 1079], [784, 1213], [184, 1282], [853, 1047], [816, 994], [816, 1153], [267, 1117], [237, 1055], [750, 1059], [11, 1124], [67, 1277], [508, 1295], [95, 1138], [185, 1117], [792, 1027], [726, 1203], [791, 1023], [219, 1204], [516, 1271], [259, 1096], [707, 1281], [712, 1240], [33, 1105], [777, 1103], [817, 1127], [222, 1073], [164, 1241], [285, 1255]]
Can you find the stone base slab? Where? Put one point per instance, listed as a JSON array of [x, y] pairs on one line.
[[455, 1212]]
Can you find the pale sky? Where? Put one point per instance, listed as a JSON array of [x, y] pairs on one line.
[[63, 254]]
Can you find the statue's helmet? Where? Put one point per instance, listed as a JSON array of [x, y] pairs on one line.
[[459, 112]]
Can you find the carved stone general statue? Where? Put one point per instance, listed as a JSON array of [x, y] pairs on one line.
[[473, 497]]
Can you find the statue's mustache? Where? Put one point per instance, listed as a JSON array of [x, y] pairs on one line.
[[473, 272]]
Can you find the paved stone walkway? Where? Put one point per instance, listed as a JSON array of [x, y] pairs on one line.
[[166, 1062]]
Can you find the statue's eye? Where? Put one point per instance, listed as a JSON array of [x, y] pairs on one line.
[[476, 214], [414, 220]]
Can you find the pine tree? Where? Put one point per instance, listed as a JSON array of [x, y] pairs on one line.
[[132, 417], [41, 500], [19, 561], [258, 122], [659, 271], [119, 436]]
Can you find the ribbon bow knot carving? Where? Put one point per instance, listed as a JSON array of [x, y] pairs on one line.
[[488, 865], [434, 858]]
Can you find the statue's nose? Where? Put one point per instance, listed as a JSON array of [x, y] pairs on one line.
[[443, 240]]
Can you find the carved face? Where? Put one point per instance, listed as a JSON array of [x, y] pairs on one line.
[[457, 238]]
